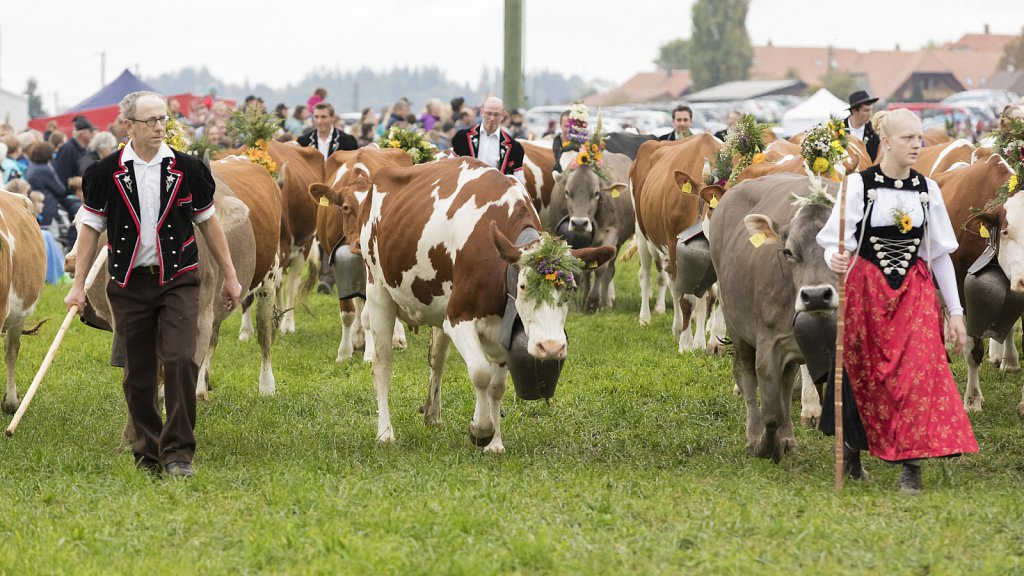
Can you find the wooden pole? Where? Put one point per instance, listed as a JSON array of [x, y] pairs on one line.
[[97, 265], [837, 390]]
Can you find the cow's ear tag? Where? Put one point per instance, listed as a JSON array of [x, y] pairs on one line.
[[615, 192], [757, 239], [983, 231], [687, 187], [714, 202], [324, 201], [591, 264]]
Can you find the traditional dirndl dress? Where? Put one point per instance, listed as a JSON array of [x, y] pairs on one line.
[[895, 365]]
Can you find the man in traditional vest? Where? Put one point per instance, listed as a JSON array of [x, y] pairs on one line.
[[490, 143], [858, 123]]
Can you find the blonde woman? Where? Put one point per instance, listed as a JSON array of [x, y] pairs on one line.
[[900, 384]]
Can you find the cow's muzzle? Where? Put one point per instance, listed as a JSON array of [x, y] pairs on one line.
[[817, 299]]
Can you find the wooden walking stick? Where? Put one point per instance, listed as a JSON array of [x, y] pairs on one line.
[[837, 389], [96, 267]]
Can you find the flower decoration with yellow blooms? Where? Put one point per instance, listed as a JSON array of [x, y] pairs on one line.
[[745, 140], [414, 143], [174, 135], [260, 154], [551, 271], [1010, 145], [901, 219], [824, 147], [592, 152]]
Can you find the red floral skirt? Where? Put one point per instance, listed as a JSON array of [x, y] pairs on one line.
[[896, 363]]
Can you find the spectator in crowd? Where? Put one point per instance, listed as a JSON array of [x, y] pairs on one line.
[[174, 110], [466, 118], [552, 125], [561, 141], [1010, 111], [117, 129], [296, 123], [75, 187], [215, 131], [457, 103], [858, 123], [432, 115], [9, 164], [319, 95], [398, 112], [515, 124], [57, 139], [734, 117], [51, 127], [42, 177], [367, 127], [28, 138], [198, 117], [682, 120], [5, 130], [281, 113], [489, 143], [326, 138], [99, 147], [66, 163]]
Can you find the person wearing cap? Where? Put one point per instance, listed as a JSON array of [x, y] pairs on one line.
[[858, 123], [490, 143], [326, 137], [66, 162]]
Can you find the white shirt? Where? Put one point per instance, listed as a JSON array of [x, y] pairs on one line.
[[324, 146], [489, 149], [858, 132], [147, 176], [939, 241]]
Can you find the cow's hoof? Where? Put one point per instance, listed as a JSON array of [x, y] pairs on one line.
[[1004, 367], [399, 342], [480, 441], [715, 349], [202, 395], [10, 405], [809, 421], [789, 446], [494, 448], [736, 390], [387, 436], [645, 321], [973, 404]]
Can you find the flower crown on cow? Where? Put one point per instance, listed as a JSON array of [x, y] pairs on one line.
[[551, 271], [824, 148], [592, 151], [747, 140], [254, 128], [1009, 145], [414, 143]]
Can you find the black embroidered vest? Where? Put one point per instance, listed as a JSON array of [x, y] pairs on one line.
[[893, 251]]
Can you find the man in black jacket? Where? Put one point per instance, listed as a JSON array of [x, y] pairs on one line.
[[682, 120], [858, 123], [326, 137], [148, 197], [490, 143]]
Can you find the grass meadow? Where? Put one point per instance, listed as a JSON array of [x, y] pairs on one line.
[[637, 467]]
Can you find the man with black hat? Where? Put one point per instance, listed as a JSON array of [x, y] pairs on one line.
[[858, 123], [66, 162]]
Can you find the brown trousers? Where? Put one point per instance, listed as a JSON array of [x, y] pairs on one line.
[[158, 326]]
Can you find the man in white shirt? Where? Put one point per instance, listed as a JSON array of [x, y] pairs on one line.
[[326, 137], [858, 123], [148, 198], [490, 143]]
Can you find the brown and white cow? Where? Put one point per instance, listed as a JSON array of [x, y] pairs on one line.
[[435, 239], [22, 271], [667, 202], [351, 173], [938, 158], [538, 167], [601, 209], [762, 287], [966, 188]]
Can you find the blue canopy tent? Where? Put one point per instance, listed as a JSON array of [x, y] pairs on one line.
[[112, 93]]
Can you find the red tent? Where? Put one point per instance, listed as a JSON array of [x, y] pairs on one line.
[[102, 107]]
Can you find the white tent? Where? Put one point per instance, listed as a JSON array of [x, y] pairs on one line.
[[812, 111], [13, 109]]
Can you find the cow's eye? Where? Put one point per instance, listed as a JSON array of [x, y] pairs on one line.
[[788, 254], [522, 287]]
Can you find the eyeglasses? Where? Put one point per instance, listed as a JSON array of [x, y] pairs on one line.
[[152, 122]]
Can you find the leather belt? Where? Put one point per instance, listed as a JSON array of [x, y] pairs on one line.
[[148, 270]]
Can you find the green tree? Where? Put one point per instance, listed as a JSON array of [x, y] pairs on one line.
[[720, 48], [674, 55], [1013, 54], [839, 83], [35, 101]]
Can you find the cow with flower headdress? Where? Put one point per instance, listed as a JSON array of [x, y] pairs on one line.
[[439, 240]]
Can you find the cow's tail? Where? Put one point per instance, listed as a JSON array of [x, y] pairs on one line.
[[312, 275], [629, 250], [35, 329]]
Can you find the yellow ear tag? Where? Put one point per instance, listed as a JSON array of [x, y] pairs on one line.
[[687, 188], [757, 239], [615, 192], [983, 232], [714, 202], [324, 201], [591, 265]]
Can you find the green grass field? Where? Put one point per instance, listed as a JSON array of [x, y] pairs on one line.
[[637, 467]]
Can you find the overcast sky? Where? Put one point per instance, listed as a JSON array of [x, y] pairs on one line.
[[59, 42]]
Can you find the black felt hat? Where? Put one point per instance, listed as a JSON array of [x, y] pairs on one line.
[[861, 97]]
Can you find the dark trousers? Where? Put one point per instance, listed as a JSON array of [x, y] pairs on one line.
[[158, 326]]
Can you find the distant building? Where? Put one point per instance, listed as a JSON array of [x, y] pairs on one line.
[[646, 87]]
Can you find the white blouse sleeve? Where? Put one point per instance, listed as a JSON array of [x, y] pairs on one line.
[[853, 194], [941, 238]]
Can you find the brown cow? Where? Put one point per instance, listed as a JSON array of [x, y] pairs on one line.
[[940, 157], [538, 164], [661, 173], [350, 176], [967, 187], [435, 238], [22, 271]]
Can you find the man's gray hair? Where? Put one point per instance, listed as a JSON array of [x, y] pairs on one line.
[[127, 104], [102, 140]]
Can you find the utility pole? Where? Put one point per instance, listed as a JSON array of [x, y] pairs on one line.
[[513, 73]]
